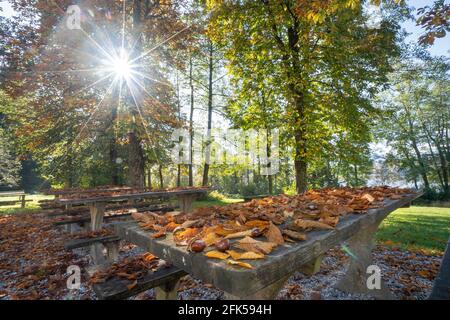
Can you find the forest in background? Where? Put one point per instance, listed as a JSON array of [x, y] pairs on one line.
[[335, 86]]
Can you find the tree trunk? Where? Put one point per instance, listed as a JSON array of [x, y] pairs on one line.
[[161, 179], [113, 150], [191, 125], [210, 109], [149, 179], [136, 153]]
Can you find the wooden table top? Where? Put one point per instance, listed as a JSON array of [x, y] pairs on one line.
[[281, 262], [141, 195], [11, 193]]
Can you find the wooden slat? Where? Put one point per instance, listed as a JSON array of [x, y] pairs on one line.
[[132, 196], [87, 218], [11, 193], [80, 243], [283, 261], [116, 288]]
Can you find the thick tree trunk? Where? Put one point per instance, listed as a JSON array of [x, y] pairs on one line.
[[300, 162], [136, 165], [113, 150], [210, 109]]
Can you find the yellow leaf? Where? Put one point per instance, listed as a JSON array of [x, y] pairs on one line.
[[214, 254], [241, 264]]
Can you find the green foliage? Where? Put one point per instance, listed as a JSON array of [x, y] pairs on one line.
[[310, 70]]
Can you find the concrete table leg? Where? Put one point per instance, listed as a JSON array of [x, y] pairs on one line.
[[355, 279], [312, 267], [268, 293], [112, 251], [185, 202], [97, 211], [168, 291]]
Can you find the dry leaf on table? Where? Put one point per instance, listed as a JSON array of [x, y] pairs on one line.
[[310, 224], [211, 238], [295, 235], [239, 263], [217, 255], [250, 244], [133, 285], [248, 255], [240, 234], [273, 234]]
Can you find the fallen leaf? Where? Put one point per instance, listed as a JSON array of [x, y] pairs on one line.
[[240, 263], [295, 235], [133, 285], [250, 244], [211, 238], [311, 224], [248, 255], [214, 254], [240, 234], [273, 234]]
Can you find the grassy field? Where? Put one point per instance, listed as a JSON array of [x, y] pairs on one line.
[[424, 229], [30, 206]]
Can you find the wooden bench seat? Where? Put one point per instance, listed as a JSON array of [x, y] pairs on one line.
[[250, 198], [85, 242], [164, 280], [441, 287], [84, 219]]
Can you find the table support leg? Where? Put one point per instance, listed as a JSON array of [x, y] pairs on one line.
[[23, 201], [112, 251], [268, 293], [356, 278], [312, 267], [168, 291], [185, 202], [97, 212]]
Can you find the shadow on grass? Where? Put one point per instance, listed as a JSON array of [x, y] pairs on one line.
[[410, 231]]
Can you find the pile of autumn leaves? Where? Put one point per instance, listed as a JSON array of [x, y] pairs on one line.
[[229, 232]]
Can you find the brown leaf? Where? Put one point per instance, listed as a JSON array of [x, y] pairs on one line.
[[240, 234], [132, 285], [250, 244], [295, 235], [273, 234], [310, 224], [248, 255]]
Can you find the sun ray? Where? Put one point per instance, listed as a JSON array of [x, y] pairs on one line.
[[159, 44]]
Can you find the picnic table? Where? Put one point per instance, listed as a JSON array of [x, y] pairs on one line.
[[97, 206], [269, 275], [20, 194]]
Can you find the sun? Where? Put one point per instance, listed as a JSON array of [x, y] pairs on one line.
[[121, 66]]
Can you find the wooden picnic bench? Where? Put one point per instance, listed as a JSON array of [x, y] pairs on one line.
[[20, 194], [269, 275], [164, 280], [97, 207]]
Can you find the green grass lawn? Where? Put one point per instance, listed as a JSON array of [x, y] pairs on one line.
[[30, 206], [425, 229], [215, 202]]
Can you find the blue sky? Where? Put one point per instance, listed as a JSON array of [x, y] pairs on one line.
[[441, 46]]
